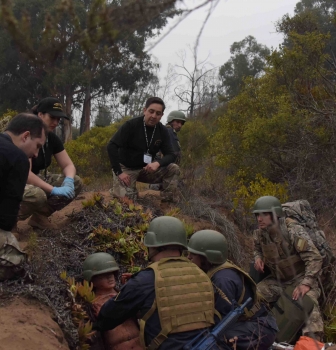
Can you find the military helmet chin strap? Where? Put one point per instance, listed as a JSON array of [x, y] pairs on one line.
[[155, 251]]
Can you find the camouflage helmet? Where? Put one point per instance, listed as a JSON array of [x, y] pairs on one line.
[[211, 244], [176, 115], [165, 230], [268, 204], [97, 264]]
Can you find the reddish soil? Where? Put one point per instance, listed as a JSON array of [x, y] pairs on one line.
[[27, 324], [61, 218]]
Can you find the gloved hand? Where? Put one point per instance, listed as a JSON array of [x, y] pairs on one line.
[[64, 191], [70, 182]]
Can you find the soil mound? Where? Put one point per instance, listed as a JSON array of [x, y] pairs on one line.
[[27, 324], [36, 309], [54, 251]]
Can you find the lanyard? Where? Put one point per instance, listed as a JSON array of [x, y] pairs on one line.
[[148, 145]]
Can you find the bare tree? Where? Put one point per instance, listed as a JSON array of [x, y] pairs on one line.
[[197, 86]]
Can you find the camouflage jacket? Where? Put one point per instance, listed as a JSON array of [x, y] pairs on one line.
[[175, 142], [299, 242]]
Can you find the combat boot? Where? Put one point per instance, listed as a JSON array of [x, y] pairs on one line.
[[41, 222]]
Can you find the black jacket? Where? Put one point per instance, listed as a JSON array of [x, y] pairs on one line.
[[128, 145], [14, 169]]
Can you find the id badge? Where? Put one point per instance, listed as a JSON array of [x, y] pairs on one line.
[[147, 158]]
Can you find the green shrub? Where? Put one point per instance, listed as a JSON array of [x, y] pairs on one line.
[[5, 119], [245, 194], [88, 152]]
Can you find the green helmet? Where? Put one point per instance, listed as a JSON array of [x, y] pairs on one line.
[[268, 204], [97, 264], [165, 230], [211, 244], [176, 115]]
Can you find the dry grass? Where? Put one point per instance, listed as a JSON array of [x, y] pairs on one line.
[[105, 182], [198, 208], [101, 183]]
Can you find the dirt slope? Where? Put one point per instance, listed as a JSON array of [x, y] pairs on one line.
[[28, 325]]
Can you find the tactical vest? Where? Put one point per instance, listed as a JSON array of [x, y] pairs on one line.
[[184, 299], [283, 260], [245, 276]]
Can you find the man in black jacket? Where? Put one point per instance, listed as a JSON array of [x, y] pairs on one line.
[[132, 150], [24, 136]]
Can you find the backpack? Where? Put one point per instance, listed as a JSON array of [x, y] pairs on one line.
[[301, 212], [291, 315]]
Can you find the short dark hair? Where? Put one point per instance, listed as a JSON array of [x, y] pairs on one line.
[[157, 100], [27, 122]]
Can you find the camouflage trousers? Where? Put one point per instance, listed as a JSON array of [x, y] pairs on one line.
[[271, 289], [11, 256], [168, 175], [35, 200]]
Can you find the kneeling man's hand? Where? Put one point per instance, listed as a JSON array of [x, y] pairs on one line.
[[125, 179], [300, 291], [152, 167]]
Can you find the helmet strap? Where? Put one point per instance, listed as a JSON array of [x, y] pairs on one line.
[[205, 264], [155, 251]]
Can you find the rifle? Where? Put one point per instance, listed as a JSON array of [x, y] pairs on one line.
[[210, 340]]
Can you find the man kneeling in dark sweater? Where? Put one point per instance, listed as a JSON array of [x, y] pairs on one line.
[[132, 151]]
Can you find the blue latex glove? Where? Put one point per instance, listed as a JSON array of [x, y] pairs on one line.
[[64, 191], [70, 182]]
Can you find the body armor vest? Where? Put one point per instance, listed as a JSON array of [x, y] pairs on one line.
[[282, 259], [184, 299], [245, 277]]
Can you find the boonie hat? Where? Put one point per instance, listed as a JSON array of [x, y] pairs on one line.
[[52, 106]]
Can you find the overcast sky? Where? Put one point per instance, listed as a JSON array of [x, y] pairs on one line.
[[232, 20]]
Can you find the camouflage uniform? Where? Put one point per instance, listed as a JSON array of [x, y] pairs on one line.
[[168, 175], [293, 245], [11, 256], [35, 200], [175, 142]]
